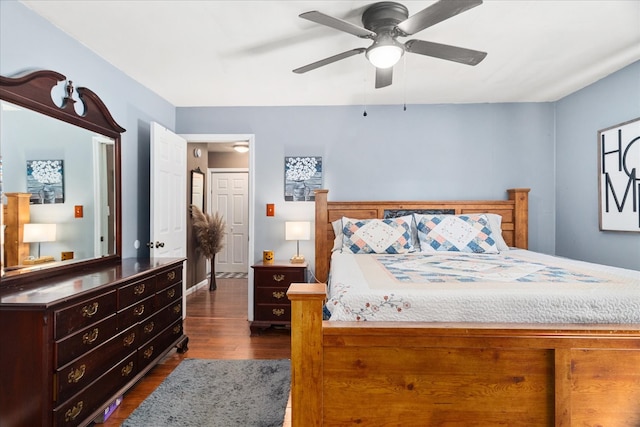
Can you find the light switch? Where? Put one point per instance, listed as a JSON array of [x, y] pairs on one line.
[[271, 209], [78, 211]]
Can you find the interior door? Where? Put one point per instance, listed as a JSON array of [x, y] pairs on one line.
[[168, 216], [229, 196]]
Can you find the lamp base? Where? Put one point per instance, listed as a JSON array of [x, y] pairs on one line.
[[297, 259]]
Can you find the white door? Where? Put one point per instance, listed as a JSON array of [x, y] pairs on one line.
[[229, 196], [168, 217]]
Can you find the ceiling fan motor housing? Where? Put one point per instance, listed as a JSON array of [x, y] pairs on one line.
[[384, 16]]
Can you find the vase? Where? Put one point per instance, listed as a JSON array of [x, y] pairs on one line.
[[48, 194], [299, 191]]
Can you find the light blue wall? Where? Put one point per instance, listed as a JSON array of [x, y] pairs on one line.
[[426, 152], [28, 42], [608, 102], [429, 152]]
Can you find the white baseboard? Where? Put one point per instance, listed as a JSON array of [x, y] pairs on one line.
[[202, 284]]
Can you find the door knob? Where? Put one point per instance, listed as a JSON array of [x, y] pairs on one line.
[[159, 244], [150, 245]]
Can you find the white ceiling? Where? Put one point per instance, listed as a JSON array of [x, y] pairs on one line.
[[242, 53]]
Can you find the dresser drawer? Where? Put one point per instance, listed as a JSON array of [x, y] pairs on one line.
[[134, 292], [82, 371], [272, 295], [273, 312], [172, 293], [74, 411], [274, 277], [167, 278], [136, 313], [89, 311], [84, 341], [152, 349], [168, 315]]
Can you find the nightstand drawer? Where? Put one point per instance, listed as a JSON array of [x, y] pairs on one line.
[[275, 277], [273, 312], [272, 295]]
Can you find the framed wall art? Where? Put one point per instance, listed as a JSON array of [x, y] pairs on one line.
[[302, 175], [197, 188], [45, 181], [619, 176]]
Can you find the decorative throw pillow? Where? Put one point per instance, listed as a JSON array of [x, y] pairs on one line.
[[377, 236], [459, 233]]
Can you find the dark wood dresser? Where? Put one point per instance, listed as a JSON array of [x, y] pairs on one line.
[[73, 343], [270, 283]]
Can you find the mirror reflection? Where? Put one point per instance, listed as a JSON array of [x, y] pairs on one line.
[[58, 183]]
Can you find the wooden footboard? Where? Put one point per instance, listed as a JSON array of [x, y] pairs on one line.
[[431, 374]]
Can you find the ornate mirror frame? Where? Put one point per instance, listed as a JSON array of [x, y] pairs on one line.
[[33, 91]]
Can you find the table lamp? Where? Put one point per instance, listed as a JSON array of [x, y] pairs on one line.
[[37, 233], [297, 230]]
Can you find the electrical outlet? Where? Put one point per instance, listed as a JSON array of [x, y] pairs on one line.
[[271, 209]]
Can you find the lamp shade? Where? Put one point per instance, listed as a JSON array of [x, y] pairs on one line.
[[241, 147], [297, 230], [39, 233]]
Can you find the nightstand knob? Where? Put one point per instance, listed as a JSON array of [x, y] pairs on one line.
[[278, 277], [278, 294], [278, 311]]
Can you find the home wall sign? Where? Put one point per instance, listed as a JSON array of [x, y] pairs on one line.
[[619, 176], [302, 175]]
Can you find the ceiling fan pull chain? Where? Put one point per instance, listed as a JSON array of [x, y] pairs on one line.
[[404, 82]]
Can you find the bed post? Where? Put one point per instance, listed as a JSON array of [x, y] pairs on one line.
[[322, 220], [521, 216], [306, 353]]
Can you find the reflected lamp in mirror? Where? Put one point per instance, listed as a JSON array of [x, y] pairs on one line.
[[38, 233], [297, 230]]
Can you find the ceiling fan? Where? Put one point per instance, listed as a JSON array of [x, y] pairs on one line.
[[383, 23]]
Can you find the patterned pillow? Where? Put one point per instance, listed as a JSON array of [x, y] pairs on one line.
[[377, 236], [459, 233]]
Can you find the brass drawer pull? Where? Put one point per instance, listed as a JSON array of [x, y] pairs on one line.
[[90, 337], [139, 289], [177, 309], [148, 353], [126, 370], [278, 294], [171, 275], [278, 311], [139, 310], [278, 277], [90, 310], [177, 329], [148, 328], [73, 413], [76, 374], [171, 293], [128, 340]]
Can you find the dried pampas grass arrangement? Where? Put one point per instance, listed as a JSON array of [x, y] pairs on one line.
[[209, 231]]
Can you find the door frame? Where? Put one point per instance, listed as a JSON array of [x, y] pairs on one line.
[[212, 138]]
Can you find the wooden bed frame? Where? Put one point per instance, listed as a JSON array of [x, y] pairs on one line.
[[462, 374]]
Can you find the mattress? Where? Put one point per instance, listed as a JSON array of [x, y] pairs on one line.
[[515, 286]]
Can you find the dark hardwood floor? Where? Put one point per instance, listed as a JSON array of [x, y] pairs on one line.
[[217, 327]]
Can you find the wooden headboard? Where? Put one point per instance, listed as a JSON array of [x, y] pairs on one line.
[[514, 212]]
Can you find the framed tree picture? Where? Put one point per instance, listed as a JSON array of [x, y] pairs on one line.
[[302, 175], [619, 176]]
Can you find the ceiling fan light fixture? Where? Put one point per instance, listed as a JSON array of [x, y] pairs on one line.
[[385, 52], [241, 147]]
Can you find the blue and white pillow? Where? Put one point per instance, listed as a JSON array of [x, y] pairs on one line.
[[457, 233], [377, 236]]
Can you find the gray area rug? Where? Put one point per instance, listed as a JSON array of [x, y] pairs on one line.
[[220, 393]]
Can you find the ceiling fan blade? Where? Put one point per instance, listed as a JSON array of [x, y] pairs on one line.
[[444, 51], [329, 60], [338, 24], [384, 77], [437, 12]]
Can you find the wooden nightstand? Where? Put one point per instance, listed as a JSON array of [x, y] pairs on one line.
[[270, 283]]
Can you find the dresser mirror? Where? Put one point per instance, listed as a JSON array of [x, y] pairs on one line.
[[60, 178]]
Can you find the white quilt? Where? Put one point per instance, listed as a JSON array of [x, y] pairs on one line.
[[517, 286]]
